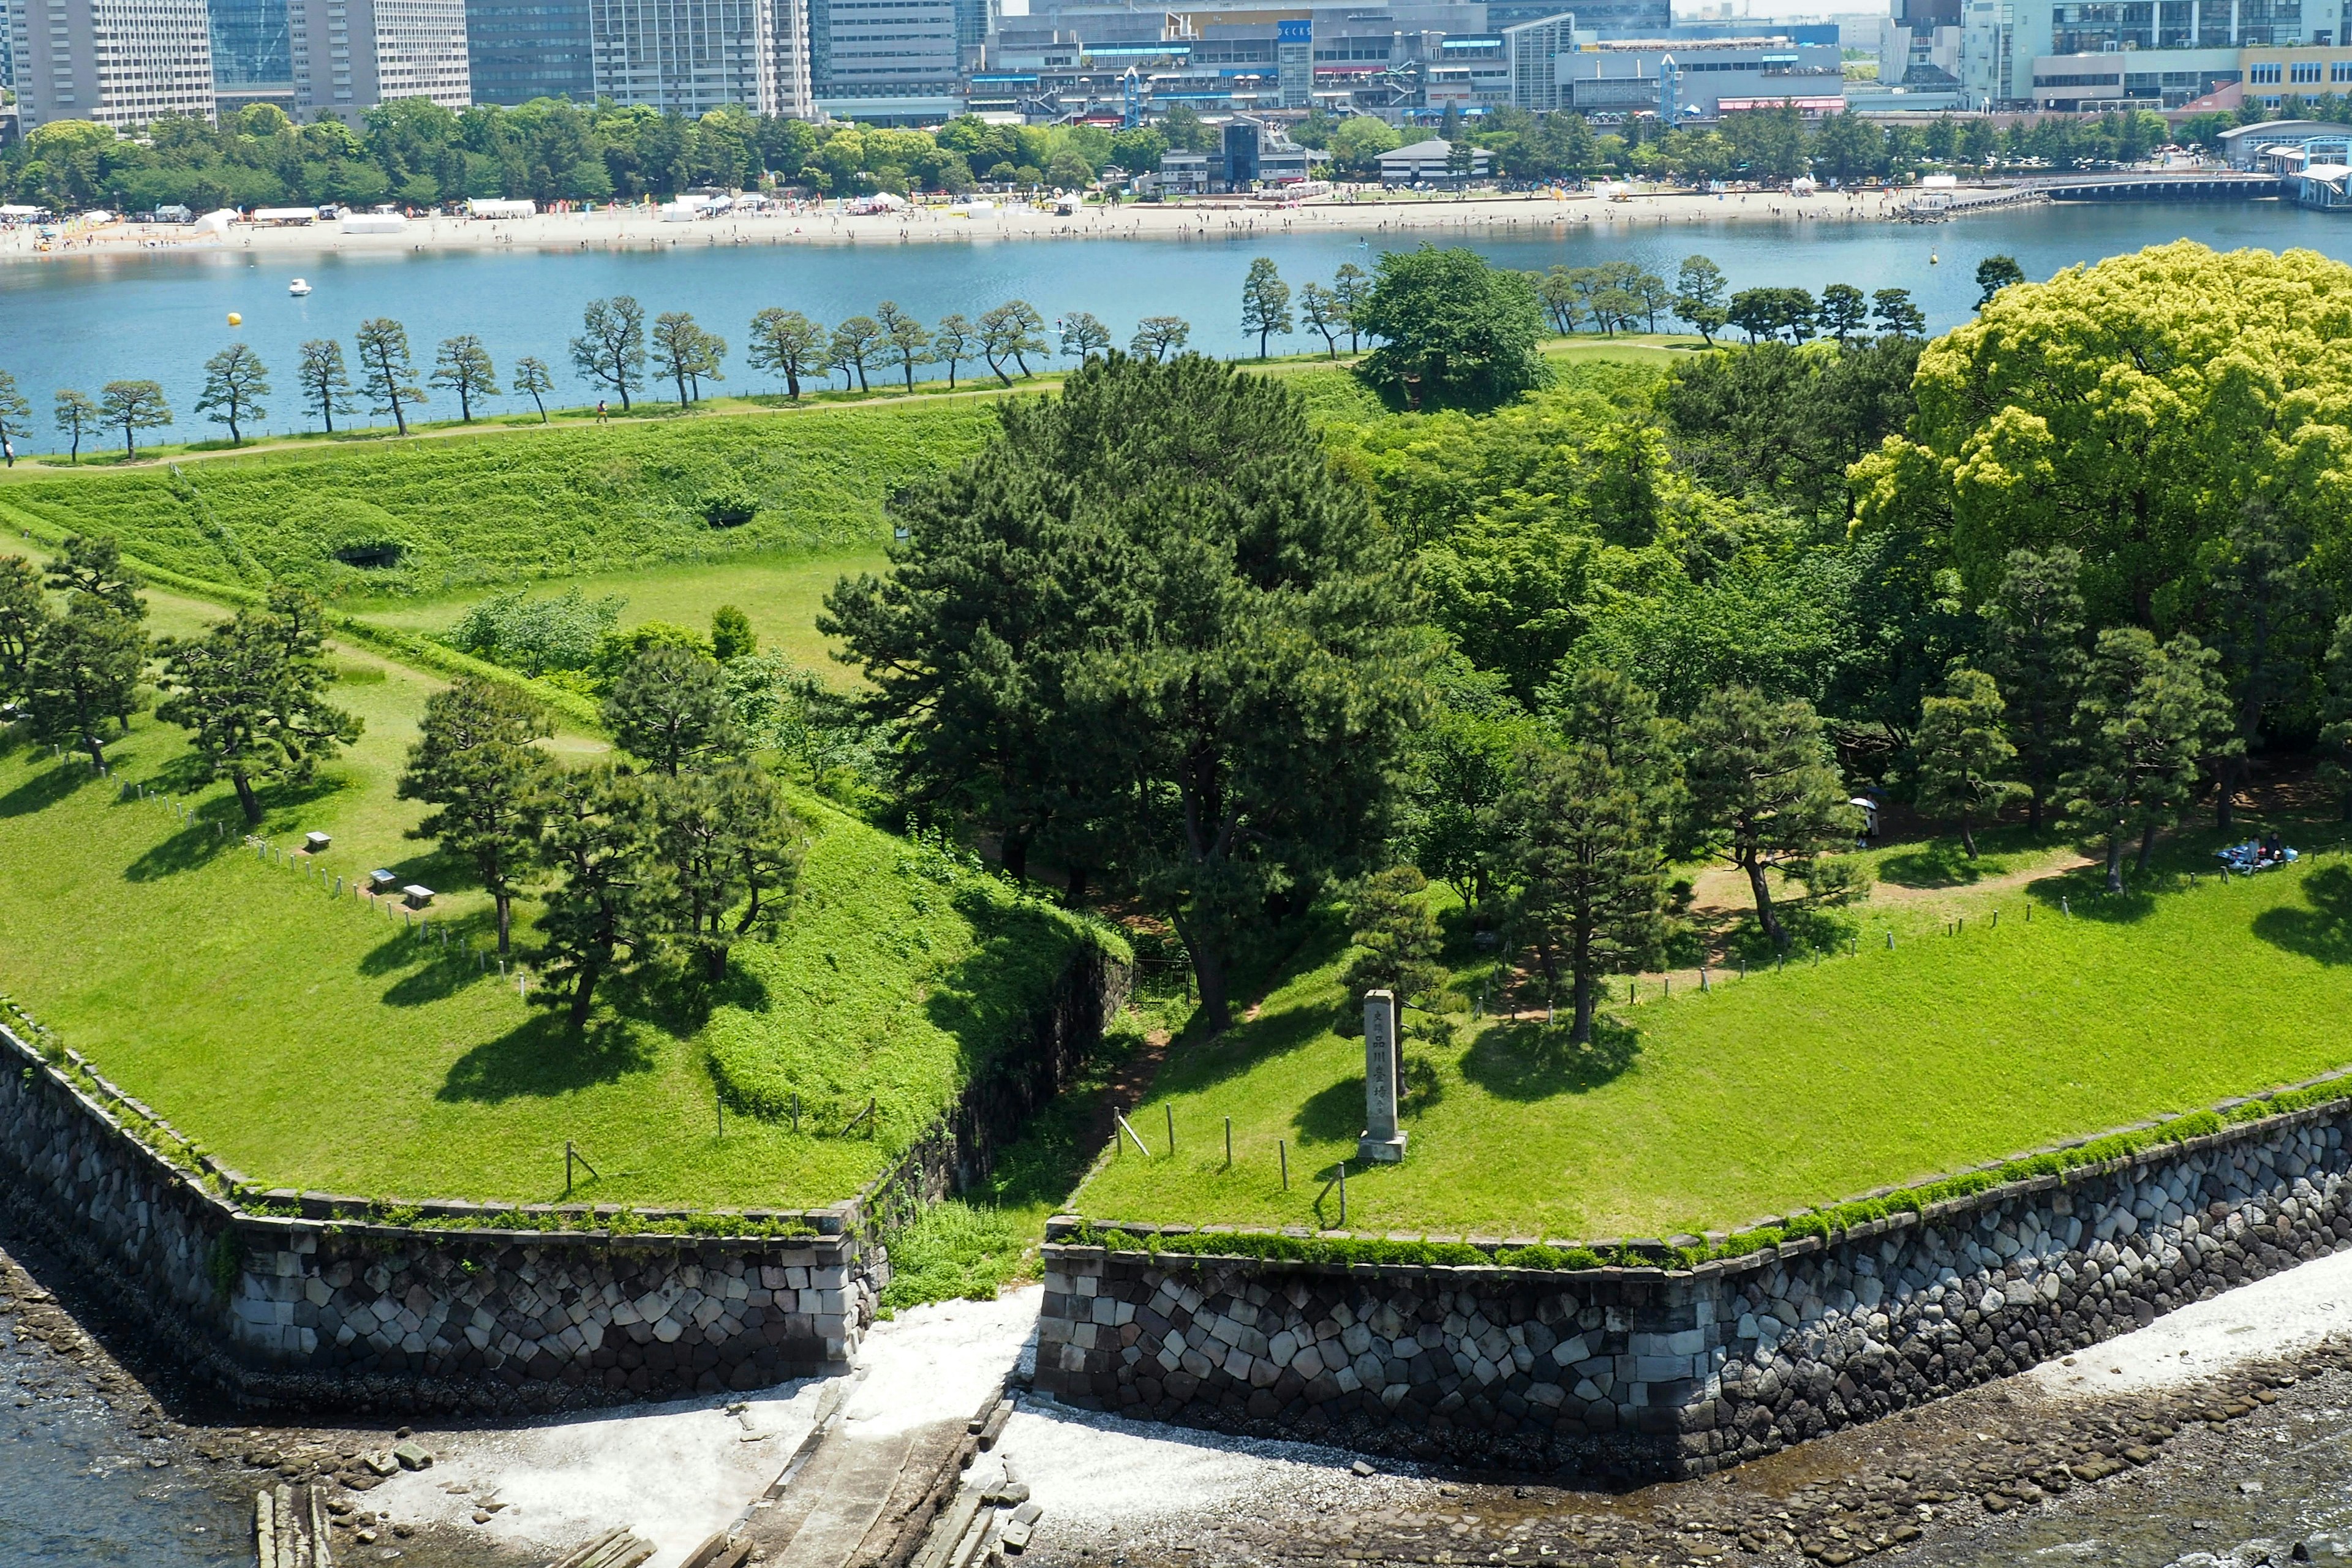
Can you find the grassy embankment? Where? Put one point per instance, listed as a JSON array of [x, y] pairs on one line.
[[315, 1044], [1793, 1088]]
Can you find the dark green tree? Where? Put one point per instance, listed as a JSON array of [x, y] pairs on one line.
[[89, 569], [326, 385], [1965, 761], [2268, 617], [905, 343], [1588, 823], [1765, 791], [1700, 295], [2035, 617], [611, 350], [1149, 613], [2335, 716], [789, 344], [386, 375], [235, 381], [76, 417], [131, 406], [83, 671], [251, 693], [533, 381], [1266, 302], [1995, 273], [1351, 287], [668, 709], [463, 365], [1897, 316], [16, 413], [677, 345], [1084, 337], [24, 616], [475, 763], [1396, 938], [1158, 337], [954, 341], [1011, 331], [596, 832], [1453, 330], [1844, 312], [726, 850], [2148, 716]]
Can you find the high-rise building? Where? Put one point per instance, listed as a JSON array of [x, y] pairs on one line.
[[253, 61], [520, 49], [888, 61], [690, 56], [118, 62], [351, 55]]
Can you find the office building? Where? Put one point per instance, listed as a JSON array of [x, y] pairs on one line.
[[895, 62], [253, 61], [690, 56], [351, 55], [517, 50], [1250, 153], [118, 62], [1708, 77]]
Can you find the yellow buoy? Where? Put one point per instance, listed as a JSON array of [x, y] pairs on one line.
[[234, 320]]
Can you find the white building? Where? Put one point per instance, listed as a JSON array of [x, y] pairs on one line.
[[118, 62], [1709, 76], [885, 61], [351, 55], [690, 56]]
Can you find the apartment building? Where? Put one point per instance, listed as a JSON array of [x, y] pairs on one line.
[[351, 55], [118, 62]]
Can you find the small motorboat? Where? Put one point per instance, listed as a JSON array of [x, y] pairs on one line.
[[298, 288]]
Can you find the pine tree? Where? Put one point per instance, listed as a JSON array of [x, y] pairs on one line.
[[1588, 822], [2148, 715], [463, 365], [235, 381], [2035, 651], [1266, 302], [1765, 791], [251, 693], [16, 413], [1965, 756], [531, 380], [24, 616], [386, 375], [475, 763], [84, 670], [611, 351], [788, 343], [728, 851], [595, 830], [2335, 717], [326, 385], [668, 709], [1396, 938]]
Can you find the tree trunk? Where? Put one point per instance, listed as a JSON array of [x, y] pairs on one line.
[[2146, 843], [861, 377], [505, 902], [582, 989], [714, 962], [1076, 895], [245, 798], [1969, 838], [623, 385], [97, 749], [681, 379], [2116, 861], [1014, 852], [1581, 1030], [1209, 968], [793, 383], [1766, 916], [2033, 808], [2225, 792]]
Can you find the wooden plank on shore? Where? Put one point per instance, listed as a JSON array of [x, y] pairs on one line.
[[323, 1553], [265, 1530], [578, 1558]]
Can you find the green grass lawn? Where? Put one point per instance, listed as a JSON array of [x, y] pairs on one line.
[[312, 1042], [1790, 1088], [780, 593]]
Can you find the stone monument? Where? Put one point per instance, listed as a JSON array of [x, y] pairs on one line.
[[1382, 1140]]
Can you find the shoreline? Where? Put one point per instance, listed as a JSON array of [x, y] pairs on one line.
[[638, 229]]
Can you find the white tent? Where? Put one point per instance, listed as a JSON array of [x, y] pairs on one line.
[[374, 222], [500, 206], [286, 217], [216, 221]]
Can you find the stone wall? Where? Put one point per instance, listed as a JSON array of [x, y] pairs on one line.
[[302, 1299], [1657, 1373]]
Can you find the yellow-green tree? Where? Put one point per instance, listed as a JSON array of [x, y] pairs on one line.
[[2134, 411]]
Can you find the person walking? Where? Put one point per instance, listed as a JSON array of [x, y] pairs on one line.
[[600, 411]]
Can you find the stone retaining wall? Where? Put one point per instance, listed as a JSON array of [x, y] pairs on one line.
[[300, 1298], [1657, 1373]]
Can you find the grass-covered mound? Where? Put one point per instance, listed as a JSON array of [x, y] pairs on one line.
[[422, 515], [1795, 1087], [310, 1042]]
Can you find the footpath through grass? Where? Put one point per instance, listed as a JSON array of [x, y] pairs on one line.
[[1794, 1087]]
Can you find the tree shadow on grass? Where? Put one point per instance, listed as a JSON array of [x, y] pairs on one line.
[[46, 788], [1533, 1061], [542, 1058], [2323, 931], [1938, 863]]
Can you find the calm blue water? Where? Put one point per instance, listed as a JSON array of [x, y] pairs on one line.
[[79, 322]]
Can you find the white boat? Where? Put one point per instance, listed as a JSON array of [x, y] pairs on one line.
[[298, 288]]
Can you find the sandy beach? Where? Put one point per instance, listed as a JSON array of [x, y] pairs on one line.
[[640, 229]]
